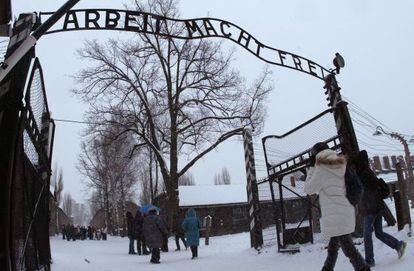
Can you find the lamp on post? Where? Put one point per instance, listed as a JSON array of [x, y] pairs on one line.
[[409, 168]]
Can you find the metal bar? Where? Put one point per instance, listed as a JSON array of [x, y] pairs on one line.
[[300, 126], [31, 40], [275, 213], [282, 210], [286, 162]]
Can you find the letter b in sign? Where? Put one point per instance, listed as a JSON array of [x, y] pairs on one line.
[[111, 19]]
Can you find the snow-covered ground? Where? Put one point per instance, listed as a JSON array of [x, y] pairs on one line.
[[230, 252]]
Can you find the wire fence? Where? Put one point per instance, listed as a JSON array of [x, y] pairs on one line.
[[365, 126], [286, 157], [282, 147]]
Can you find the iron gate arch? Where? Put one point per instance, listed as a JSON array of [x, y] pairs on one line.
[[198, 28]]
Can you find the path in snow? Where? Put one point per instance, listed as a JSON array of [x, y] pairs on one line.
[[229, 252]]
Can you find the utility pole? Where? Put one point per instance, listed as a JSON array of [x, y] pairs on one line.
[[409, 168]]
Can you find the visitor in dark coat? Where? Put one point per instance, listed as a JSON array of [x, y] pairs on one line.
[[130, 226], [90, 233], [191, 226], [154, 230], [139, 236], [64, 231], [164, 247], [73, 232], [178, 231], [372, 208]]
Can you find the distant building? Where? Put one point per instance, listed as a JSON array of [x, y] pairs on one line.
[[228, 207], [58, 218], [98, 220]]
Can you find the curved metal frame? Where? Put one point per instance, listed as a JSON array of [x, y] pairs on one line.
[[197, 28]]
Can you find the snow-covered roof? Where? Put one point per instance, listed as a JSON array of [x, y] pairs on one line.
[[195, 195], [388, 177]]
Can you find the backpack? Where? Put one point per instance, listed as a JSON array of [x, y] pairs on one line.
[[383, 188], [353, 186]]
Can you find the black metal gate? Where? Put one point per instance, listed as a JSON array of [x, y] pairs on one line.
[[286, 161], [26, 140]]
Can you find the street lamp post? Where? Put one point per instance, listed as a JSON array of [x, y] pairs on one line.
[[409, 168]]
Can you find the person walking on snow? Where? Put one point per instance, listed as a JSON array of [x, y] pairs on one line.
[[130, 227], [138, 221], [326, 177], [191, 226], [154, 230], [372, 208], [178, 232]]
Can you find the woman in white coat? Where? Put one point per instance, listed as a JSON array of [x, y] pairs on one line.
[[326, 178]]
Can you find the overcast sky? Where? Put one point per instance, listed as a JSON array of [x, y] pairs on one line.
[[375, 37]]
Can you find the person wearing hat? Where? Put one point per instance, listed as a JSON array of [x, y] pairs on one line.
[[326, 177], [154, 230]]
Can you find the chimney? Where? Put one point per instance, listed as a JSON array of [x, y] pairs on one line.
[[386, 162], [393, 161], [377, 163]]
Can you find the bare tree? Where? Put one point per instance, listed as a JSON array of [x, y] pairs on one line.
[[80, 213], [67, 204], [57, 183], [95, 203], [149, 188], [107, 163], [175, 96], [223, 177], [186, 179]]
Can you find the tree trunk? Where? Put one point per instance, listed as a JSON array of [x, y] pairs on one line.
[[107, 210], [150, 176]]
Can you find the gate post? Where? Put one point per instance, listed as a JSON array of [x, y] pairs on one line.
[[401, 201], [346, 132], [255, 224]]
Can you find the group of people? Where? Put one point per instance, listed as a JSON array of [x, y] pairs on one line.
[[326, 177], [151, 233], [71, 232]]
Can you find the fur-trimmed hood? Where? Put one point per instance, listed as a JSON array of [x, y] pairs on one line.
[[327, 180], [330, 158]]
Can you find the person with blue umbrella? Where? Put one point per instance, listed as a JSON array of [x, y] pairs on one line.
[[145, 208], [192, 225]]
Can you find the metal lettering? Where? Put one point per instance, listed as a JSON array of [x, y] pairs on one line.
[[158, 22], [312, 66], [112, 22], [209, 27], [74, 20], [298, 63], [282, 55], [93, 20], [192, 27], [142, 22], [145, 22], [130, 16], [259, 46], [227, 35], [244, 37]]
